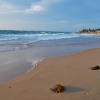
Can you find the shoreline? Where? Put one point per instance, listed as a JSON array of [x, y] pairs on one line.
[[32, 67], [25, 64], [16, 63], [75, 74], [88, 33]]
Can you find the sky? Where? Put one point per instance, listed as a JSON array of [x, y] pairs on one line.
[[49, 15]]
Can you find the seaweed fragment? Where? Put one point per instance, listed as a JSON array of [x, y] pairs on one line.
[[58, 88], [95, 68]]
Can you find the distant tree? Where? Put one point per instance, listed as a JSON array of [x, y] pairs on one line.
[[89, 29]]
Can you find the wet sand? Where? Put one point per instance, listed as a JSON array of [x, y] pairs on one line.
[[15, 63], [72, 71]]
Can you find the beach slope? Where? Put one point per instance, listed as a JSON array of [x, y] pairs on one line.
[[72, 71]]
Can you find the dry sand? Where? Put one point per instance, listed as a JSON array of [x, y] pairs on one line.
[[72, 71]]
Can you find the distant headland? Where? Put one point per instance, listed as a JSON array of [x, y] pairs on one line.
[[90, 31]]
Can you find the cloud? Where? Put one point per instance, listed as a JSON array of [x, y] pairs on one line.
[[40, 6], [35, 7], [4, 5], [6, 8], [63, 21]]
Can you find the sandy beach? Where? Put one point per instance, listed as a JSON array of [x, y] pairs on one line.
[[72, 71]]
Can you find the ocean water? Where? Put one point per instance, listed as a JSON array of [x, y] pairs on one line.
[[15, 40], [30, 47]]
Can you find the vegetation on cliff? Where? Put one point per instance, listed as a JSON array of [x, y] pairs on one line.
[[95, 31]]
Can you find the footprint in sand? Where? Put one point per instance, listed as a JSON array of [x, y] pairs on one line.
[[87, 93]]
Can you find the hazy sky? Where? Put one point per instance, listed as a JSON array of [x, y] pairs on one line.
[[53, 15]]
